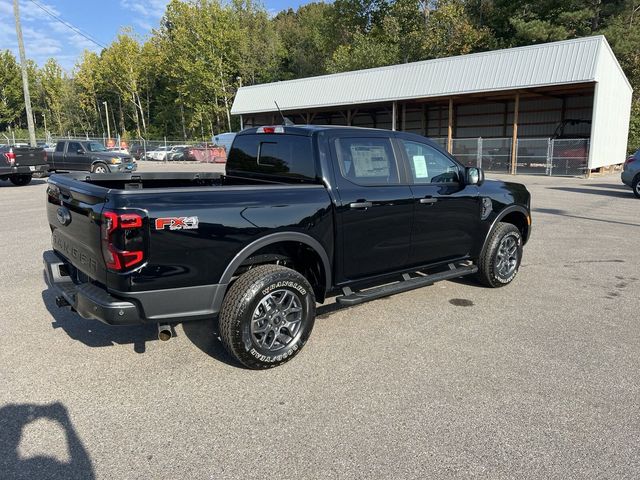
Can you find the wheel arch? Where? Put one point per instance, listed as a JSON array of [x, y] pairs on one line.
[[515, 215], [279, 240]]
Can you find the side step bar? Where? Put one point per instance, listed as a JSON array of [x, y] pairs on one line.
[[354, 298]]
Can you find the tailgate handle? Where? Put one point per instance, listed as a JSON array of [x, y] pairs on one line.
[[428, 200], [361, 205]]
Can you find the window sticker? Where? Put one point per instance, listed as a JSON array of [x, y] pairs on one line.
[[370, 161], [420, 166]]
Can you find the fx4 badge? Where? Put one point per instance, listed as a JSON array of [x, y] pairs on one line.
[[177, 223]]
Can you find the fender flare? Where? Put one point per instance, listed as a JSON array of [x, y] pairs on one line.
[[274, 238], [500, 216]]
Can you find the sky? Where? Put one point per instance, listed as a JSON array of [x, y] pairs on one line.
[[45, 37]]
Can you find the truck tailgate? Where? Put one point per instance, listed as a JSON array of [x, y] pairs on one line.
[[30, 157], [74, 214]]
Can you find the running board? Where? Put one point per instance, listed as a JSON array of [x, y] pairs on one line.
[[409, 283]]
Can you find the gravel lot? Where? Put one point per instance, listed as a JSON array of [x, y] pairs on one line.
[[537, 380]]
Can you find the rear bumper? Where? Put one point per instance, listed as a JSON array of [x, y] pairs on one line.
[[130, 308], [90, 301], [29, 169], [627, 177]]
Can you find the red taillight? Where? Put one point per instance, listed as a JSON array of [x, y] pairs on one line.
[[11, 157], [276, 129], [122, 240]]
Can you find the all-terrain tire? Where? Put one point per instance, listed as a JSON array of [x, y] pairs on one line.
[[251, 315], [99, 168], [500, 260], [21, 180], [635, 185]]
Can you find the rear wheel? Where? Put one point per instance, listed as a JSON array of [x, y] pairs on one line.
[[636, 186], [100, 168], [500, 260], [267, 316], [21, 180]]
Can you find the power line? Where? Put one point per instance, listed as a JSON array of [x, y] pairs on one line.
[[66, 24]]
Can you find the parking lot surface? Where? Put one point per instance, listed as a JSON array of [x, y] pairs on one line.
[[536, 380]]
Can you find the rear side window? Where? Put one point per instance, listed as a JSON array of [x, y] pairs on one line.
[[73, 147], [60, 147], [367, 161], [274, 157]]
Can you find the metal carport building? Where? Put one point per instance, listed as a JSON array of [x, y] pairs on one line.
[[554, 108]]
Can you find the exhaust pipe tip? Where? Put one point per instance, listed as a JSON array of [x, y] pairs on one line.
[[164, 333]]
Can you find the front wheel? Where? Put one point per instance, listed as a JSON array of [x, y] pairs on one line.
[[267, 316], [500, 260], [21, 180], [100, 168], [636, 186]]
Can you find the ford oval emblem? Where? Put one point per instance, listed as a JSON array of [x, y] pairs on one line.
[[64, 216]]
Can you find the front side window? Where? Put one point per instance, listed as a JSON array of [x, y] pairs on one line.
[[367, 161], [96, 147], [428, 165]]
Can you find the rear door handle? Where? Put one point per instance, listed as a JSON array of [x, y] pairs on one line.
[[360, 205], [428, 200]]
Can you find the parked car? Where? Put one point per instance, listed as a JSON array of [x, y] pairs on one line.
[[137, 151], [18, 164], [181, 153], [302, 214], [89, 156], [162, 153], [631, 173]]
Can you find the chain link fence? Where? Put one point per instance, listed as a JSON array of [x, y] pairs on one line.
[[140, 148], [534, 156]]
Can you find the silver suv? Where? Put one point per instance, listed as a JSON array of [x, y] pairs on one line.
[[631, 173]]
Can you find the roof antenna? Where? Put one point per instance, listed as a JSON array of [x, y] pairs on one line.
[[285, 121]]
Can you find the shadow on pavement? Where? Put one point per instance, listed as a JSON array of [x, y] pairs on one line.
[[94, 333], [35, 181], [627, 193], [204, 335], [613, 186], [13, 419], [562, 213]]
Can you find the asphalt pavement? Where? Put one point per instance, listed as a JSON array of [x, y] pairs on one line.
[[536, 380]]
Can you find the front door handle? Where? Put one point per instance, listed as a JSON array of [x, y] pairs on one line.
[[360, 205], [428, 200]]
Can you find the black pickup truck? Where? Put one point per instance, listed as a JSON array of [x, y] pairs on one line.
[[302, 214], [19, 163], [89, 156]]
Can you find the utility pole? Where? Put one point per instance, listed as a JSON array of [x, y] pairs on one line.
[[25, 76], [106, 114]]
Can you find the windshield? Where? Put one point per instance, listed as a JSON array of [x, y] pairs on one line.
[[96, 147]]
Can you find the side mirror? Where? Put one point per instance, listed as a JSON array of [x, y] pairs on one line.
[[474, 176]]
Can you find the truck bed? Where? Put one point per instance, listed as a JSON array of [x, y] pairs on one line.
[[162, 180]]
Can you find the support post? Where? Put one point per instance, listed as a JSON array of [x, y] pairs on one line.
[[241, 123], [450, 127], [25, 77], [403, 126], [514, 141], [394, 114]]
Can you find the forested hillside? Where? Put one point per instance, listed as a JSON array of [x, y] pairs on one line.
[[181, 79]]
